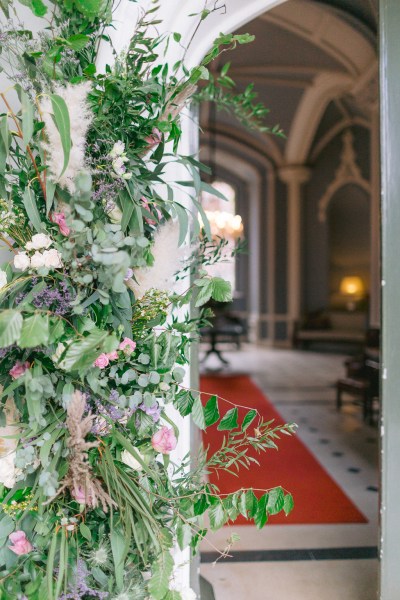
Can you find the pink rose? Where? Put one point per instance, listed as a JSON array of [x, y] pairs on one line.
[[82, 496], [102, 361], [59, 219], [112, 355], [154, 138], [127, 346], [164, 440], [79, 495], [21, 545], [147, 206], [18, 369]]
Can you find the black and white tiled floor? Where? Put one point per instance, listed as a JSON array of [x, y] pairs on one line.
[[307, 562]]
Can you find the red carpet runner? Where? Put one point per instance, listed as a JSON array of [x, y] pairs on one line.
[[317, 498]]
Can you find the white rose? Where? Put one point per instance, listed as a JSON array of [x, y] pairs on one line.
[[39, 241], [8, 471], [8, 444], [3, 279], [22, 261], [118, 149], [37, 260], [114, 213], [52, 259], [131, 461]]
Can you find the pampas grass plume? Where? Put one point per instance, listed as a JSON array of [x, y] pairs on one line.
[[80, 119], [167, 254]]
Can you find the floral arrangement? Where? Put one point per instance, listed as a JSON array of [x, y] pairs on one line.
[[93, 337]]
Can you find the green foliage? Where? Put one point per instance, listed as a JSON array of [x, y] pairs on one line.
[[89, 363]]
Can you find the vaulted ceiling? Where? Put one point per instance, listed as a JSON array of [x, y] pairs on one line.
[[314, 64]]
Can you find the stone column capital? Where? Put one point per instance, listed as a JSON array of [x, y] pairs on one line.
[[294, 174]]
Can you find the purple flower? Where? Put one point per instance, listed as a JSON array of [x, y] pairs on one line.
[[78, 587], [153, 411]]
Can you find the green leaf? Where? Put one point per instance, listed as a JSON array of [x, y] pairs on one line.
[[4, 4], [10, 327], [198, 413], [205, 187], [211, 412], [248, 419], [85, 531], [217, 515], [276, 500], [205, 293], [81, 354], [229, 420], [5, 140], [35, 331], [119, 551], [261, 516], [62, 122], [162, 570], [184, 403], [32, 209], [288, 504], [173, 595], [78, 41], [92, 8], [177, 37], [221, 290], [28, 113], [183, 534], [38, 8], [50, 191]]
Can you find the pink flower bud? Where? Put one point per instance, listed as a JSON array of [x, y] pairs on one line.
[[127, 346], [112, 355], [154, 138], [102, 361], [18, 369], [164, 440], [20, 543], [59, 219]]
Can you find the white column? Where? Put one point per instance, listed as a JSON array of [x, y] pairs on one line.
[[294, 176]]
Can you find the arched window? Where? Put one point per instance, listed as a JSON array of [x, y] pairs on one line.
[[224, 223]]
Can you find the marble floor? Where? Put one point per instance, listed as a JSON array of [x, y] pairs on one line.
[[342, 565]]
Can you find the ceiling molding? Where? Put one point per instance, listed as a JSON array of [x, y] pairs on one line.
[[265, 149], [333, 132], [310, 111], [328, 32], [347, 173]]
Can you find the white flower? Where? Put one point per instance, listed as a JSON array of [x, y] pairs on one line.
[[3, 279], [22, 261], [118, 149], [39, 241], [8, 471], [114, 213], [37, 260], [131, 461], [127, 176], [52, 259]]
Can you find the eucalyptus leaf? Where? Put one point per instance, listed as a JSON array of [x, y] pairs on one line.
[[32, 209], [62, 122]]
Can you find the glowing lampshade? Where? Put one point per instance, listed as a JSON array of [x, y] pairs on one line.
[[352, 286]]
